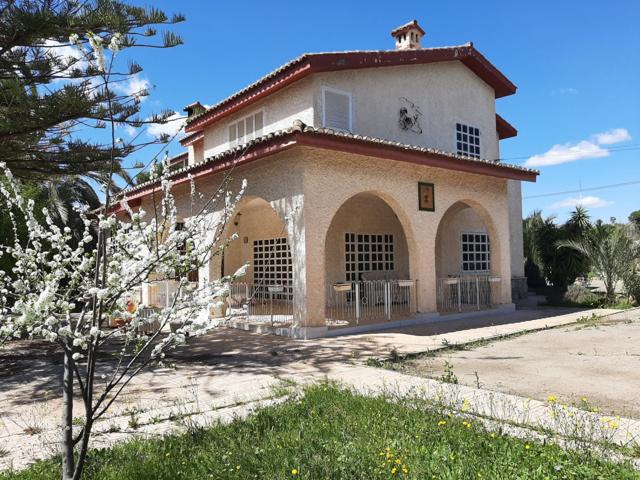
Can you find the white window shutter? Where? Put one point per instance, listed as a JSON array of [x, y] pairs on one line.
[[337, 110]]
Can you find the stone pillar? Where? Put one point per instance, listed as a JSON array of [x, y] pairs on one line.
[[306, 239], [518, 279]]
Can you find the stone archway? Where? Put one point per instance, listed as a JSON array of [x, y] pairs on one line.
[[468, 258], [366, 243]]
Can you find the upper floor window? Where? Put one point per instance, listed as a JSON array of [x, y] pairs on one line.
[[337, 110], [467, 140], [246, 129]]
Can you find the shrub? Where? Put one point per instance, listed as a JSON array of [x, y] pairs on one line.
[[580, 294]]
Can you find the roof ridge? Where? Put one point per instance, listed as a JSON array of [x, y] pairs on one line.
[[302, 57]]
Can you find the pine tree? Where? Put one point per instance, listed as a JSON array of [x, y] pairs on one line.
[[49, 92]]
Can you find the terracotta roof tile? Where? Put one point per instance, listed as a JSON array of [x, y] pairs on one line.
[[300, 127], [309, 63]]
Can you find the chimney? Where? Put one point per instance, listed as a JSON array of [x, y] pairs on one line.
[[408, 36]]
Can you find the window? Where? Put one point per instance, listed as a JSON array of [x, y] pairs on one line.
[[272, 265], [337, 109], [246, 129], [367, 253], [467, 140], [476, 252]]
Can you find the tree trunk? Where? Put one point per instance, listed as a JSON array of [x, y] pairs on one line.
[[67, 418]]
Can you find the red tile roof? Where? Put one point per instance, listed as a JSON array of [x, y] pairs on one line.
[[406, 27], [308, 64], [504, 128], [302, 135]]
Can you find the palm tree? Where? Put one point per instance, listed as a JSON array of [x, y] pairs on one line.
[[611, 251]]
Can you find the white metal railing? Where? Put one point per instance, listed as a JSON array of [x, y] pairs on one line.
[[162, 292], [261, 303], [464, 293], [352, 303]]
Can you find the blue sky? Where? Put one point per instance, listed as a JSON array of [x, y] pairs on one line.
[[576, 65]]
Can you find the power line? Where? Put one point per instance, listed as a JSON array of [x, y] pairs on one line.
[[621, 148], [600, 187]]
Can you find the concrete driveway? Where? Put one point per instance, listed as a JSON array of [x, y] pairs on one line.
[[599, 362], [226, 368]]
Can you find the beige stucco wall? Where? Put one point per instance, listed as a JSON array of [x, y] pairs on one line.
[[514, 198], [332, 178], [369, 214], [449, 239], [306, 188], [279, 110], [446, 93]]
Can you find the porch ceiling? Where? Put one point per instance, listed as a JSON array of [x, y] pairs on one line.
[[301, 135]]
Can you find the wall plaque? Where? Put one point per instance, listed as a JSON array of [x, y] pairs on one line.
[[426, 199]]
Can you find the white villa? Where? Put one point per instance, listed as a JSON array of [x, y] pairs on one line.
[[375, 191]]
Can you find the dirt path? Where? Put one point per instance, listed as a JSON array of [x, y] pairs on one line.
[[599, 363]]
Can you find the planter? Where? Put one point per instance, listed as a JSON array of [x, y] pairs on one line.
[[342, 287], [220, 309], [451, 281], [495, 279], [405, 283]]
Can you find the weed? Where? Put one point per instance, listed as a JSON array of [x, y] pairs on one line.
[[448, 376]]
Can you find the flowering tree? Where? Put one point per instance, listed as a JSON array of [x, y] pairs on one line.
[[68, 291]]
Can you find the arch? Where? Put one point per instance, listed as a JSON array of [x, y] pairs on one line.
[[254, 219], [464, 216], [368, 213]]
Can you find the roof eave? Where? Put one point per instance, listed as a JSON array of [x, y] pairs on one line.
[[277, 143], [327, 62]]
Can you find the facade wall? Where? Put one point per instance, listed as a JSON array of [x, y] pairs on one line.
[[445, 93], [305, 189], [331, 178], [280, 110]]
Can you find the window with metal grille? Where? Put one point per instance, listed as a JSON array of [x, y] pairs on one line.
[[366, 252], [476, 252], [467, 140], [336, 112], [272, 265], [246, 129]]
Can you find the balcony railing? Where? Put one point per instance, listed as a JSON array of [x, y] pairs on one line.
[[261, 303], [465, 293], [368, 302]]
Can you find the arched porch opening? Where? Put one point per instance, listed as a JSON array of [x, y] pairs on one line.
[[367, 264], [264, 294], [467, 259]]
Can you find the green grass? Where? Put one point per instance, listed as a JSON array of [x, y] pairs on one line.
[[332, 433]]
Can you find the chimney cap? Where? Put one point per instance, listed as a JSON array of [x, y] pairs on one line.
[[413, 24], [194, 109]]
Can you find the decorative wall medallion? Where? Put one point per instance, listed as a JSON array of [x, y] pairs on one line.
[[410, 114], [426, 197]]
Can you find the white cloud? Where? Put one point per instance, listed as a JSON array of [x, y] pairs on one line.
[[587, 202], [610, 137], [67, 53], [568, 152], [135, 86], [174, 123]]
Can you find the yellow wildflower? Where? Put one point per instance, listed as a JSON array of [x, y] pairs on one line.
[[294, 471], [552, 399]]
